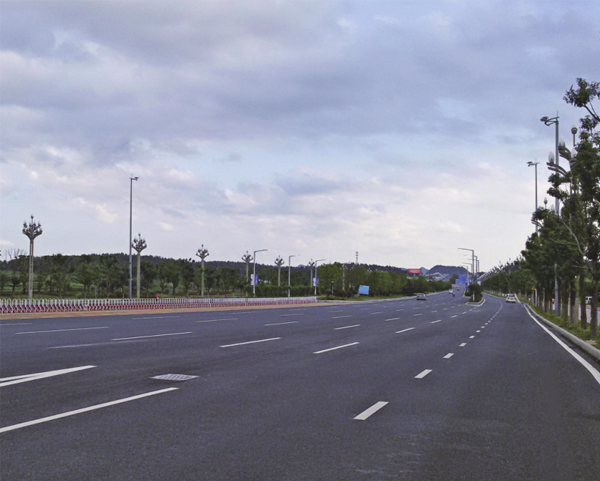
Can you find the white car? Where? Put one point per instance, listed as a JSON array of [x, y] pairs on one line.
[[511, 298]]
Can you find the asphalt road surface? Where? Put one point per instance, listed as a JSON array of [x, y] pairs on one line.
[[398, 390]]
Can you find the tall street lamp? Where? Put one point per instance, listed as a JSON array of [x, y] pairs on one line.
[[472, 264], [254, 271], [203, 254], [535, 164], [32, 231], [139, 245], [553, 121], [131, 179], [290, 273], [315, 280]]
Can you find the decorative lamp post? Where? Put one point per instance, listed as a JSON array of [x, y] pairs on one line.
[[279, 262], [290, 273], [247, 258], [32, 231], [139, 245], [254, 272], [203, 254], [131, 179]]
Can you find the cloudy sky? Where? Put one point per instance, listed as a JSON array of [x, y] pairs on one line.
[[399, 129]]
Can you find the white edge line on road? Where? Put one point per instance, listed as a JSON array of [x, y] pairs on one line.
[[155, 335], [404, 330], [583, 362], [281, 323], [346, 327], [334, 348], [422, 374], [83, 410], [63, 330], [7, 381], [372, 410], [449, 355], [250, 342], [215, 320]]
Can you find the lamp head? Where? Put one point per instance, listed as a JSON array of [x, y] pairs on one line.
[[544, 119], [550, 157]]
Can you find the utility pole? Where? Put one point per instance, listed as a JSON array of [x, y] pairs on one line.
[[139, 245], [203, 254], [31, 231]]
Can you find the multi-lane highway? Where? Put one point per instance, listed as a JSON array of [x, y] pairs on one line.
[[401, 390]]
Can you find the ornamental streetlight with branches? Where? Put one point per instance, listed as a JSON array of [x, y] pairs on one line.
[[139, 245], [203, 254], [31, 230], [279, 262], [247, 258]]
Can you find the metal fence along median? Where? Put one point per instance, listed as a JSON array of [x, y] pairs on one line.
[[23, 306]]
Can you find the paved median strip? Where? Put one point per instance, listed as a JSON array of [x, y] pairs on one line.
[[83, 410], [250, 342], [367, 413], [335, 348]]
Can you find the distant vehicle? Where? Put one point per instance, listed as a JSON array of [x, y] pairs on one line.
[[451, 291], [421, 297], [511, 298]]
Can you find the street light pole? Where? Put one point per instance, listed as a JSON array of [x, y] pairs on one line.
[[315, 278], [290, 274], [472, 264], [535, 164], [31, 231], [254, 271], [131, 179]]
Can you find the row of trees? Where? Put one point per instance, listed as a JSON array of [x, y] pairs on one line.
[[565, 251], [107, 276]]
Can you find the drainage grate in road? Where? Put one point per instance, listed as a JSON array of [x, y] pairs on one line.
[[173, 377]]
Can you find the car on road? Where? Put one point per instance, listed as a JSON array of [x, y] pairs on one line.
[[421, 297], [511, 298]]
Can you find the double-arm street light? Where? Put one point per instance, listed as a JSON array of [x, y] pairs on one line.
[[290, 274], [32, 231], [254, 271], [315, 278], [553, 121], [131, 179]]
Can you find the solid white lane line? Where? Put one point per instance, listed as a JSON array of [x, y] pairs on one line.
[[346, 327], [439, 320], [83, 410], [150, 318], [281, 323], [8, 381], [334, 348], [449, 355], [250, 342], [392, 319], [583, 362], [372, 410], [155, 335], [63, 330], [463, 344], [452, 317], [216, 320], [404, 330], [340, 317], [422, 374]]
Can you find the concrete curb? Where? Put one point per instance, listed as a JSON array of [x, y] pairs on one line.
[[591, 350]]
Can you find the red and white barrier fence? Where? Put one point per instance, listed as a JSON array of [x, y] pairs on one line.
[[17, 306]]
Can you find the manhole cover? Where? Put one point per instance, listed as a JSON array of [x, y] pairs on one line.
[[174, 377]]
